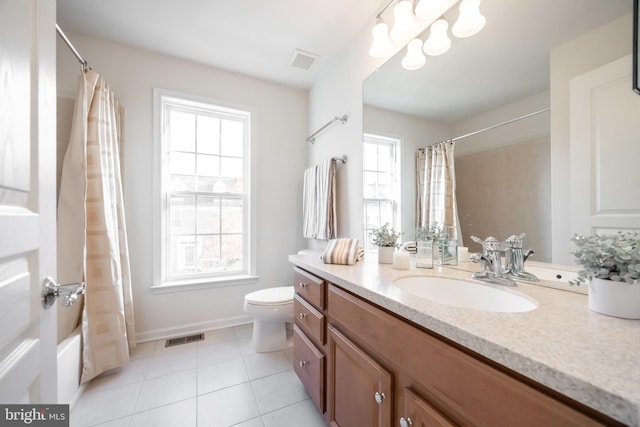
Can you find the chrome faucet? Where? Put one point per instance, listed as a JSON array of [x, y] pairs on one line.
[[491, 261], [515, 256]]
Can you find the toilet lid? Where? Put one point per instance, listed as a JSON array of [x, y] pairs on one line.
[[271, 296]]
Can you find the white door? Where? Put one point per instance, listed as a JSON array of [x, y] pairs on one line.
[[605, 150], [27, 200]]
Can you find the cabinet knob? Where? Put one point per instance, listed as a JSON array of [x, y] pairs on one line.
[[379, 397], [405, 422], [302, 316], [303, 363], [302, 285]]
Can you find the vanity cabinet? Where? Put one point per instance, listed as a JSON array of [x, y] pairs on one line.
[[365, 366], [309, 334], [360, 390]]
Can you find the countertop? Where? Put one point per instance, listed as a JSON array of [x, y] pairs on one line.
[[589, 357]]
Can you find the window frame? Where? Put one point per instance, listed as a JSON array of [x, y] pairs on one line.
[[396, 201], [162, 283]]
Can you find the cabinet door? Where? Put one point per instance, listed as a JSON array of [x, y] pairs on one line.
[[359, 389], [419, 413]]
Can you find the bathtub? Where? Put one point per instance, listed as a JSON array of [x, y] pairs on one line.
[[69, 357]]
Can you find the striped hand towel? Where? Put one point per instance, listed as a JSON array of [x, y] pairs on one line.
[[343, 251]]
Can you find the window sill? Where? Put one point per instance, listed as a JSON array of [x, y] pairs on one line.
[[193, 285]]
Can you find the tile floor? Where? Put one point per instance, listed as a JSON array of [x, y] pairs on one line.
[[218, 382]]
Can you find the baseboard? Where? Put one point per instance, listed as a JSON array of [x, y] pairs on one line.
[[77, 395], [194, 328]]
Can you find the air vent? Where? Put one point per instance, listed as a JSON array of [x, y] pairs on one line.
[[183, 340], [302, 59]]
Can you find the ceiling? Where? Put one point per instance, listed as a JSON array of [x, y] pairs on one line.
[[252, 37], [505, 62], [508, 60]]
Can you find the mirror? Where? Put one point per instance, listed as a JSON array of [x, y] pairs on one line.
[[502, 73]]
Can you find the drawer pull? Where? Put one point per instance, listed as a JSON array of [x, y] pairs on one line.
[[405, 422], [379, 397], [302, 316], [303, 363], [302, 285]]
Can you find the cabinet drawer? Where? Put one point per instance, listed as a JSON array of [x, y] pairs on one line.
[[312, 288], [461, 386], [309, 364], [310, 320]]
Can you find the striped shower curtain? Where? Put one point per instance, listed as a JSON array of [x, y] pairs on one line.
[[436, 187], [319, 201], [92, 238]]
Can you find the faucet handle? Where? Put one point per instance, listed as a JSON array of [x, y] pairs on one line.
[[490, 244]]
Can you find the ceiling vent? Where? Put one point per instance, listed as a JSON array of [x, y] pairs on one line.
[[302, 59]]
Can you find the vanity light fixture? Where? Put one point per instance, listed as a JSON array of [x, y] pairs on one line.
[[470, 21], [427, 10], [438, 41], [414, 58], [382, 45], [405, 24]]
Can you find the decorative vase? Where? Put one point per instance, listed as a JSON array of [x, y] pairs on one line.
[[617, 299], [385, 254]]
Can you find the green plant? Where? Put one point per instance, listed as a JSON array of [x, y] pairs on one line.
[[385, 236], [433, 232], [608, 256]]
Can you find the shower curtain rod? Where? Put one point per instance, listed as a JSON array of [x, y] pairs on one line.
[[75, 52], [497, 125]]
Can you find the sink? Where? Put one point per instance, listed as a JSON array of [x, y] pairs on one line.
[[465, 294]]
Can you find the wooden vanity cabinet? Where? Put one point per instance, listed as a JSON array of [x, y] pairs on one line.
[[360, 390], [366, 367], [309, 334]]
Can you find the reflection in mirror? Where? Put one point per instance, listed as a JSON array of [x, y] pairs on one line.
[[503, 175]]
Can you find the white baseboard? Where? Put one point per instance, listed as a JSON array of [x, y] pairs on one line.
[[194, 328]]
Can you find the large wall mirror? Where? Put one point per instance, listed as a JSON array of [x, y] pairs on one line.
[[502, 73]]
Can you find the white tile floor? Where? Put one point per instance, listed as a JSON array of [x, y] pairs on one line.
[[218, 382]]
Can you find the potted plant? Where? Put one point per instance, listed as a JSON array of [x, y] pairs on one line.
[[611, 266], [386, 239]]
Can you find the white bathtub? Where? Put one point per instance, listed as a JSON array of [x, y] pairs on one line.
[[69, 357]]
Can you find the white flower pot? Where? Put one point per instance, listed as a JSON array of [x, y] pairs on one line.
[[618, 299], [385, 254]]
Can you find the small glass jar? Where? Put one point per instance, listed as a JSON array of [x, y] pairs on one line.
[[424, 253], [448, 251]]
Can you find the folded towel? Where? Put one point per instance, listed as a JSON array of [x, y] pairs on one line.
[[343, 251]]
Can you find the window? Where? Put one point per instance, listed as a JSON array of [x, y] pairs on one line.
[[381, 174], [203, 191]]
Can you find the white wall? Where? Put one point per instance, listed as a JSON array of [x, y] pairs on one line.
[[413, 132], [282, 155], [590, 51]]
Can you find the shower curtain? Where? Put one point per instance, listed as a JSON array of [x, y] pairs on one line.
[[92, 238], [436, 187]]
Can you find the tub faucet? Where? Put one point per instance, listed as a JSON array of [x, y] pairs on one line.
[[491, 261]]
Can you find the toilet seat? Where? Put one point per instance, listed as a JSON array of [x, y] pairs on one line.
[[273, 296]]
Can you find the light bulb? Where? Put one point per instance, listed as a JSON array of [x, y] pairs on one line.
[[438, 41], [430, 9], [382, 44], [414, 58], [404, 25], [470, 21]]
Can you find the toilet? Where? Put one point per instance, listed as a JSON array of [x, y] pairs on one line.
[[272, 313]]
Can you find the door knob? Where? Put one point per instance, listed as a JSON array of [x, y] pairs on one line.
[[52, 290], [379, 397], [302, 316], [405, 422]]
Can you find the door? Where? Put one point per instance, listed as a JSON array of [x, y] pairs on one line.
[[360, 390], [27, 200], [605, 148]]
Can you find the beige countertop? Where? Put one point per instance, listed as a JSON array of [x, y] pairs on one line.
[[592, 358]]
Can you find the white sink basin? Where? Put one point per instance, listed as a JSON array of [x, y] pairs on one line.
[[465, 294]]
